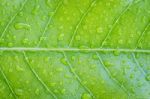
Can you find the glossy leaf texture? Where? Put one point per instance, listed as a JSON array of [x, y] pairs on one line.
[[75, 49]]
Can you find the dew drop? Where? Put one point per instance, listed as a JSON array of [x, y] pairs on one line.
[[63, 91], [35, 9], [120, 41], [99, 30], [10, 44], [19, 92], [116, 52], [65, 2], [25, 41], [93, 66], [37, 91], [19, 26], [107, 64], [63, 61], [59, 69], [61, 37], [72, 58], [86, 96], [53, 84], [56, 91], [78, 38], [48, 3], [95, 57], [148, 77], [18, 68], [21, 14], [10, 70]]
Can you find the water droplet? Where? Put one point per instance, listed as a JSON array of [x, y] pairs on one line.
[[10, 44], [148, 77], [59, 69], [37, 91], [61, 37], [53, 84], [107, 64], [99, 30], [131, 76], [25, 41], [78, 38], [19, 92], [63, 91], [65, 2], [120, 41], [93, 66], [72, 58], [18, 68], [95, 57], [116, 52], [56, 91], [35, 9], [21, 14], [49, 3], [63, 60], [10, 70], [86, 96], [22, 26], [43, 38]]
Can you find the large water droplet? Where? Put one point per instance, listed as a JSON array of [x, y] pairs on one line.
[[22, 26]]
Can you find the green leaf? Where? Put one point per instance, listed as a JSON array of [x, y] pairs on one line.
[[74, 49]]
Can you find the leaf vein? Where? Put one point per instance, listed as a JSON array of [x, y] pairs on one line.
[[7, 82], [37, 77], [76, 76], [109, 74], [48, 22], [12, 19], [80, 21], [115, 22]]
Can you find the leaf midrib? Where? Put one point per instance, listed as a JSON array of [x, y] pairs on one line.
[[74, 49]]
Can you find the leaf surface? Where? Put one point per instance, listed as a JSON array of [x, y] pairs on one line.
[[75, 49]]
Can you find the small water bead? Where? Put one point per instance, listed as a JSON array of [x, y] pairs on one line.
[[116, 52], [63, 91], [65, 2], [148, 77], [49, 3], [67, 76], [25, 41], [10, 44], [22, 26], [78, 38], [18, 68], [86, 96], [93, 66], [63, 61], [73, 58], [19, 92], [56, 91], [108, 64], [61, 37], [53, 84], [35, 9], [43, 38], [37, 91], [21, 14], [59, 69]]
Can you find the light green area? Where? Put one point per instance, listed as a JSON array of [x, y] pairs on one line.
[[81, 24]]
